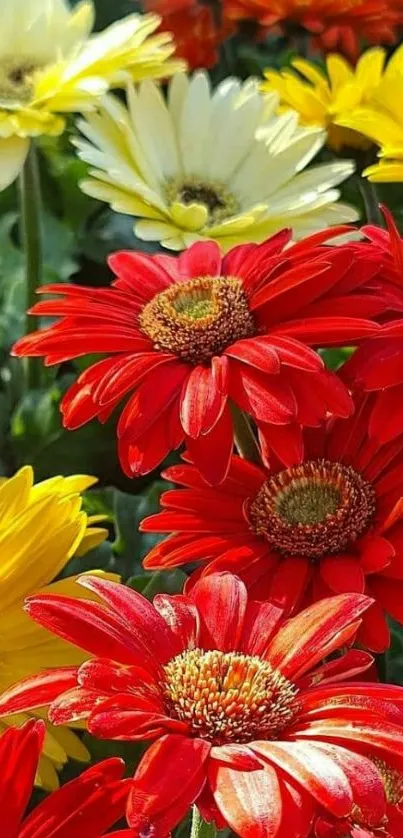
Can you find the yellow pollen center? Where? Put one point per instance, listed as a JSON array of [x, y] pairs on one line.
[[16, 80], [198, 319], [219, 202], [313, 509], [228, 697]]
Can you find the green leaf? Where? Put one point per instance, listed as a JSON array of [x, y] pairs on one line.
[[130, 545]]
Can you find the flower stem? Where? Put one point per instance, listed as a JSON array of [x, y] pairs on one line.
[[30, 202], [244, 437], [370, 199], [201, 829]]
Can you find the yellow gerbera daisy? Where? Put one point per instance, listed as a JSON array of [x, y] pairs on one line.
[[51, 65], [209, 164], [381, 120], [41, 528], [322, 99]]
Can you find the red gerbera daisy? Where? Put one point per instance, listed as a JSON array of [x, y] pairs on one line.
[[338, 25], [329, 525], [190, 334], [197, 27], [88, 805], [378, 364], [259, 732]]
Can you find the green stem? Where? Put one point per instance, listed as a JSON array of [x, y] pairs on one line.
[[30, 201], [201, 829], [244, 437], [370, 198]]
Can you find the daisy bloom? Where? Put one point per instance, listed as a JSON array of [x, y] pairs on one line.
[[321, 98], [380, 120], [335, 24], [329, 525], [276, 734], [209, 164], [197, 29], [88, 805], [377, 366], [189, 337], [41, 527], [50, 65]]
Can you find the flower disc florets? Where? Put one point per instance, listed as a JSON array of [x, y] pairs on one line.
[[228, 697], [199, 318], [313, 509]]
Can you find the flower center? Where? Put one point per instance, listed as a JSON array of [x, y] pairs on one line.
[[313, 509], [199, 318], [16, 80], [219, 202], [228, 697]]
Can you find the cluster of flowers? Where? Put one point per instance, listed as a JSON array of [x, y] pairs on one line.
[[253, 685]]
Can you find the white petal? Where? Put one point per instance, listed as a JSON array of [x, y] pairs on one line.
[[13, 152]]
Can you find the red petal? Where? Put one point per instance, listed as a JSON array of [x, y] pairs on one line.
[[152, 399], [250, 802], [131, 717], [73, 705], [342, 574], [313, 770], [386, 421], [142, 620], [389, 593], [365, 781], [285, 441], [87, 805], [290, 582], [155, 791], [221, 600], [91, 627], [37, 690], [260, 623], [374, 632], [200, 259], [314, 633], [328, 331], [182, 616], [266, 398], [138, 272], [201, 402], [20, 749], [258, 352], [212, 452]]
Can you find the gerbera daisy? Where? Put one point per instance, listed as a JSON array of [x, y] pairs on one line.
[[321, 98], [380, 120], [50, 65], [336, 24], [329, 525], [272, 738], [41, 527], [377, 366], [88, 805], [210, 164], [198, 28], [190, 336]]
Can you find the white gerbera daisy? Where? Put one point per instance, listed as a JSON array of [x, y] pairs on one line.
[[50, 64], [210, 164]]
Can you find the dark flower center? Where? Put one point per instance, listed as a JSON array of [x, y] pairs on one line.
[[198, 319], [313, 509], [228, 697], [16, 80], [214, 195]]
